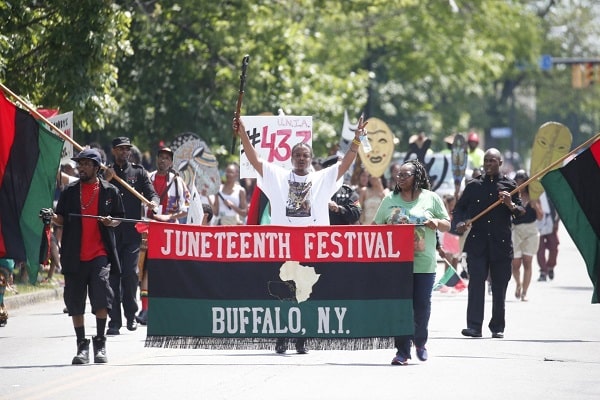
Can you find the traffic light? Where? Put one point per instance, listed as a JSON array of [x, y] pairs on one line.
[[589, 74], [577, 76], [583, 75]]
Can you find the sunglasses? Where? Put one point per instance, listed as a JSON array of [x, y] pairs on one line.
[[404, 175]]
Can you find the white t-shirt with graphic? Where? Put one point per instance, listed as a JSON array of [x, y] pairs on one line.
[[299, 200]]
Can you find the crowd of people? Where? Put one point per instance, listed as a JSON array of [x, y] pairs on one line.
[[109, 268]]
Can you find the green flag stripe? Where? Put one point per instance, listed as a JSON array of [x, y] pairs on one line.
[[572, 190], [40, 195]]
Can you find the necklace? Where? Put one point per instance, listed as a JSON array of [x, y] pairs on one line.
[[95, 191]]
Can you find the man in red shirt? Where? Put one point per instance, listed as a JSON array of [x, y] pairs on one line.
[[88, 250]]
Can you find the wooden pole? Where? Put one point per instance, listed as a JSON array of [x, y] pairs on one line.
[[66, 137], [537, 175]]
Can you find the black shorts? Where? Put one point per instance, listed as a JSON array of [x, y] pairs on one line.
[[92, 280]]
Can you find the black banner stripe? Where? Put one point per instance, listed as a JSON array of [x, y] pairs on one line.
[[583, 176], [261, 281]]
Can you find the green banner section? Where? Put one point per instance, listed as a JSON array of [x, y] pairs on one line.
[[267, 319]]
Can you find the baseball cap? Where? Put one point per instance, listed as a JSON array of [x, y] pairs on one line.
[[166, 150], [121, 141], [90, 154]]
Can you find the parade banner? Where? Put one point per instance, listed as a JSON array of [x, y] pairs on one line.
[[244, 286]]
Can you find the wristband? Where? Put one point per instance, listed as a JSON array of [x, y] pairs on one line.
[[356, 141]]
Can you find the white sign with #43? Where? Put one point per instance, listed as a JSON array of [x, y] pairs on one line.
[[273, 137]]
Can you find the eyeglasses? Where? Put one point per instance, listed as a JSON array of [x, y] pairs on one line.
[[404, 175]]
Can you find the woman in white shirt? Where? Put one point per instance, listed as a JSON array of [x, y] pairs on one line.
[[231, 204]]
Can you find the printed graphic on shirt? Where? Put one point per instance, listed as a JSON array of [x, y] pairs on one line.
[[298, 203], [400, 215]]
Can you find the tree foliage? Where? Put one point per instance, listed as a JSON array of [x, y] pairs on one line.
[[152, 70], [62, 54]]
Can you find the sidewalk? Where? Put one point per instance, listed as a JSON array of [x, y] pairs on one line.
[[15, 301]]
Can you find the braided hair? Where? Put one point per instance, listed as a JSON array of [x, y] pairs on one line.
[[421, 180]]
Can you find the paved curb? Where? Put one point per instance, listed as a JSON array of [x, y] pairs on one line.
[[27, 299]]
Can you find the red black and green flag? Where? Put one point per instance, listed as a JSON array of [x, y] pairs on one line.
[[29, 161], [242, 286], [259, 210], [450, 281], [574, 191]]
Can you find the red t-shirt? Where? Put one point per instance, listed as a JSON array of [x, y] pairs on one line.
[[160, 186], [91, 240]]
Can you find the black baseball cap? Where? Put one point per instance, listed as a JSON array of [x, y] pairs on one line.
[[121, 141], [90, 154]]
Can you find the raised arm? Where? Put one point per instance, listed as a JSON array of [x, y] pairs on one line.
[[240, 130], [350, 155]]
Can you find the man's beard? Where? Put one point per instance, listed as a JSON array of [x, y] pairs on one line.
[[87, 178]]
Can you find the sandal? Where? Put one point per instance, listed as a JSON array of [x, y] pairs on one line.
[[518, 292]]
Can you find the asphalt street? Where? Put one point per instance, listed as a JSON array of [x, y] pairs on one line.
[[551, 350]]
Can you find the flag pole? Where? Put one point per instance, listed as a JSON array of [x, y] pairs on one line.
[[537, 175], [66, 137], [114, 218]]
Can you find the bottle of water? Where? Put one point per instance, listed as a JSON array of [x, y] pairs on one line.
[[364, 140]]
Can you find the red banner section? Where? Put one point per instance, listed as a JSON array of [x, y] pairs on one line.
[[367, 243]]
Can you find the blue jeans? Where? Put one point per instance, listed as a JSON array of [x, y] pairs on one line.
[[422, 289]]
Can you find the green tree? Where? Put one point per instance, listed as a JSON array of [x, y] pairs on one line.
[[61, 54]]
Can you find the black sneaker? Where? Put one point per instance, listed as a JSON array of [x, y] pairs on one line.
[[422, 353], [131, 324], [112, 331], [551, 274], [99, 345], [142, 317], [280, 346], [83, 352], [400, 360], [470, 332], [301, 346], [542, 278]]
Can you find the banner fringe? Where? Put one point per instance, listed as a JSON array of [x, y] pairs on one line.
[[192, 342]]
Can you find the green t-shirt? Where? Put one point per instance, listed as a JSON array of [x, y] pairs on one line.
[[394, 210]]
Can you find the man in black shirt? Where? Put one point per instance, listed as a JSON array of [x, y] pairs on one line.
[[128, 238], [488, 244], [344, 207]]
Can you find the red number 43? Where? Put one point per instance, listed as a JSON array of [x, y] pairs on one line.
[[278, 143]]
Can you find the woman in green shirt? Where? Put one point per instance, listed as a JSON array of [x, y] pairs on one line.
[[412, 202]]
